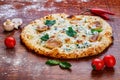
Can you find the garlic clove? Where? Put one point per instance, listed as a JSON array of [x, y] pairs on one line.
[[8, 25], [17, 22]]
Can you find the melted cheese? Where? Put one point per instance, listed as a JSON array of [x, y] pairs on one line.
[[59, 31]]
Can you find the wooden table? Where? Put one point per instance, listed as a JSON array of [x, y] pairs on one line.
[[21, 64]]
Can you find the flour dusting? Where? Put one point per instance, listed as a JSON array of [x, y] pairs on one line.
[[58, 0], [38, 7], [17, 62], [7, 11], [84, 0], [7, 60]]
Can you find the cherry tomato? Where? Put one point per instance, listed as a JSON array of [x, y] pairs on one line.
[[109, 60], [10, 42], [97, 64]]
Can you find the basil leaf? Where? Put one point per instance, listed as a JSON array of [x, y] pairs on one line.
[[70, 32], [97, 30], [45, 37], [52, 62], [50, 22], [65, 65]]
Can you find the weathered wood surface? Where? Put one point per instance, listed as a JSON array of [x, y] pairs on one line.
[[22, 64]]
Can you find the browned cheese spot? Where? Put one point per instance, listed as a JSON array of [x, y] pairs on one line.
[[79, 42], [71, 17], [67, 40]]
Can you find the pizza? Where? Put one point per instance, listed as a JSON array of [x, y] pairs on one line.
[[66, 36]]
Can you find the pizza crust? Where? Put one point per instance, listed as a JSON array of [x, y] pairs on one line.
[[99, 46]]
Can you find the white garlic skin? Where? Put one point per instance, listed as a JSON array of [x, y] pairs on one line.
[[8, 25]]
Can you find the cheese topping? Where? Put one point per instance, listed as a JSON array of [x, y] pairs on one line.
[[73, 35]]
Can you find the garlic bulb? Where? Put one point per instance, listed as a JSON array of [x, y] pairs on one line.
[[17, 22], [8, 25]]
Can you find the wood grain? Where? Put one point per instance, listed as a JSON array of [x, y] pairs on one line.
[[21, 64]]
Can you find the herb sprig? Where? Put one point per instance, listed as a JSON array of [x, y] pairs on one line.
[[45, 37], [50, 22], [70, 32], [64, 65]]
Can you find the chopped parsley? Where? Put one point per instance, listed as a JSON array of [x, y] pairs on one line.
[[50, 22], [45, 37], [70, 32]]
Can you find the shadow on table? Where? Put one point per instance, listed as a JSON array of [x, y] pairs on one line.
[[106, 72]]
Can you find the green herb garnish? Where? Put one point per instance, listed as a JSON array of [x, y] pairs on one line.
[[96, 30], [50, 22], [45, 37], [52, 62], [64, 65], [70, 32]]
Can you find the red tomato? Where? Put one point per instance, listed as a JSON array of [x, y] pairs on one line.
[[10, 42], [109, 60], [97, 64]]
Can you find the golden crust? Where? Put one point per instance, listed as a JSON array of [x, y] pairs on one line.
[[105, 41]]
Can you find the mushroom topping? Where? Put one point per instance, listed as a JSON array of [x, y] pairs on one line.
[[94, 38], [17, 22], [97, 24], [53, 43], [8, 25], [42, 28]]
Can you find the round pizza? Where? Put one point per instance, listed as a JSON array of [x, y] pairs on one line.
[[67, 36]]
